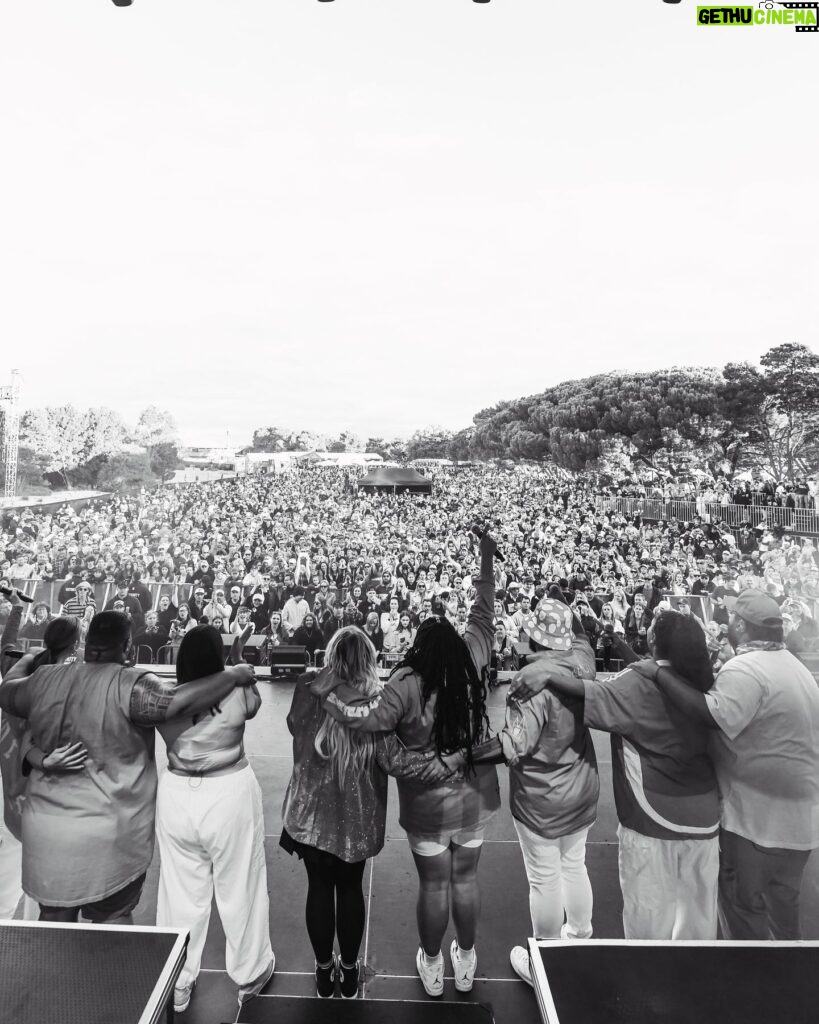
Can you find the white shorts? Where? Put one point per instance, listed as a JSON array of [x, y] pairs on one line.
[[424, 846]]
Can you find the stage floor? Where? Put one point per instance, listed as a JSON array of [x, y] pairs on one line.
[[390, 885]]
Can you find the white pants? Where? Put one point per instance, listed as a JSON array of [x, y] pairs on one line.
[[669, 886], [211, 841], [558, 883], [11, 879]]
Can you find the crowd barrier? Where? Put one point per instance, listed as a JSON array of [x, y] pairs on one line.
[[799, 520]]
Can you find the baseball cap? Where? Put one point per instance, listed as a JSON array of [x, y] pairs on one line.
[[549, 625], [757, 608]]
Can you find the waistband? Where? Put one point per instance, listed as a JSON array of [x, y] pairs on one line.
[[211, 773]]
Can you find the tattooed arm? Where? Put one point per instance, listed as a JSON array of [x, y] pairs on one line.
[[155, 700]]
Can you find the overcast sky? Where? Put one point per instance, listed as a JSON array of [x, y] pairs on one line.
[[385, 214]]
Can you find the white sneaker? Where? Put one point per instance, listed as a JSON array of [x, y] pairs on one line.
[[431, 975], [463, 967], [519, 959], [182, 997]]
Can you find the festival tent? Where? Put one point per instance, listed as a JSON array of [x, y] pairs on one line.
[[397, 480]]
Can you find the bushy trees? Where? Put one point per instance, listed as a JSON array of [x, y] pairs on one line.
[[69, 447], [669, 420]]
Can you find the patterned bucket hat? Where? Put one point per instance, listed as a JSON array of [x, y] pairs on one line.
[[549, 625]]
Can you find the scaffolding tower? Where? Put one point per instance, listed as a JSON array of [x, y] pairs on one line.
[[10, 404]]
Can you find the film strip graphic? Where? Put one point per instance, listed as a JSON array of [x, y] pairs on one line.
[[803, 7]]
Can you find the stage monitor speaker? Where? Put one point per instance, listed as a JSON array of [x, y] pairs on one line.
[[287, 659]]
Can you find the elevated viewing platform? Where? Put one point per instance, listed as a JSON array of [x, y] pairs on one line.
[[796, 520]]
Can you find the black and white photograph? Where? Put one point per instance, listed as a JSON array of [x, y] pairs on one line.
[[409, 528]]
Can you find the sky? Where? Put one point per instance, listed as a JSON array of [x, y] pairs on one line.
[[380, 215]]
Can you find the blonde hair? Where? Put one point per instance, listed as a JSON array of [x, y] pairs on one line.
[[350, 655]]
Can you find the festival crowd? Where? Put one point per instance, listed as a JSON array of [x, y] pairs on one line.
[[714, 721]]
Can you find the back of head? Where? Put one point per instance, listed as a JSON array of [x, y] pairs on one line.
[[351, 655], [680, 640], [108, 634], [60, 636], [200, 654], [442, 660]]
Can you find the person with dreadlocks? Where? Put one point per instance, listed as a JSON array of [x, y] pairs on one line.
[[436, 700], [553, 780]]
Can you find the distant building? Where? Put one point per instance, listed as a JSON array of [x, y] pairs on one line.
[[193, 456], [249, 463]]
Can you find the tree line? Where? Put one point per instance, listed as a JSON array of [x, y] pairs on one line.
[[666, 421], [671, 422], [62, 447]]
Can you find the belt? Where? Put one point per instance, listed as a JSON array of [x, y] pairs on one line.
[[212, 773]]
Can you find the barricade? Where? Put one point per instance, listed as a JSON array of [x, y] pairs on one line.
[[803, 521]]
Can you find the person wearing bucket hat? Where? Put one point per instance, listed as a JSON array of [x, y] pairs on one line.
[[664, 784], [553, 783], [549, 626], [764, 713]]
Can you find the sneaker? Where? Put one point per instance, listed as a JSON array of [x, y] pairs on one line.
[[326, 979], [463, 966], [519, 958], [255, 988], [431, 974], [182, 997], [349, 979]]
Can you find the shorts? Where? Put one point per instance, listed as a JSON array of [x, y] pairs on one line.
[[109, 908], [425, 846]]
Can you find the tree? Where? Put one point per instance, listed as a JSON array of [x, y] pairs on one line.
[[56, 435], [127, 471], [30, 470], [432, 443], [164, 459], [155, 426], [346, 441], [67, 440], [792, 380], [274, 439], [572, 422]]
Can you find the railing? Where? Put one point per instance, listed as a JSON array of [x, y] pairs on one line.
[[798, 520]]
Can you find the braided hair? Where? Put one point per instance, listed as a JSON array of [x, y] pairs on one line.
[[442, 661]]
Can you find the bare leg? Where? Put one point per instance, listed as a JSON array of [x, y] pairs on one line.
[[432, 909], [466, 896]]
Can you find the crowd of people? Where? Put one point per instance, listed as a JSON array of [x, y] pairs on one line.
[[797, 492], [714, 721], [301, 555]]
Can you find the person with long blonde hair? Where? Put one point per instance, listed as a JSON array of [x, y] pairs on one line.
[[335, 807]]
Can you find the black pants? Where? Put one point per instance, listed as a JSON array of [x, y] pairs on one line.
[[110, 910], [759, 890], [335, 905]]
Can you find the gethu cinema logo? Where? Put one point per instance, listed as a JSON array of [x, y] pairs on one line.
[[765, 14]]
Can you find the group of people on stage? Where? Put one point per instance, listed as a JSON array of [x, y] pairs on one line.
[[716, 782]]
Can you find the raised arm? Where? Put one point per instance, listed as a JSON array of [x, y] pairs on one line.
[[479, 634], [155, 700], [12, 629]]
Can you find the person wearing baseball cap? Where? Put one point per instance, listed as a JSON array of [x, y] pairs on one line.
[[553, 782], [764, 713]]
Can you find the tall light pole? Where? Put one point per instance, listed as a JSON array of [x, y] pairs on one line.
[[10, 399]]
